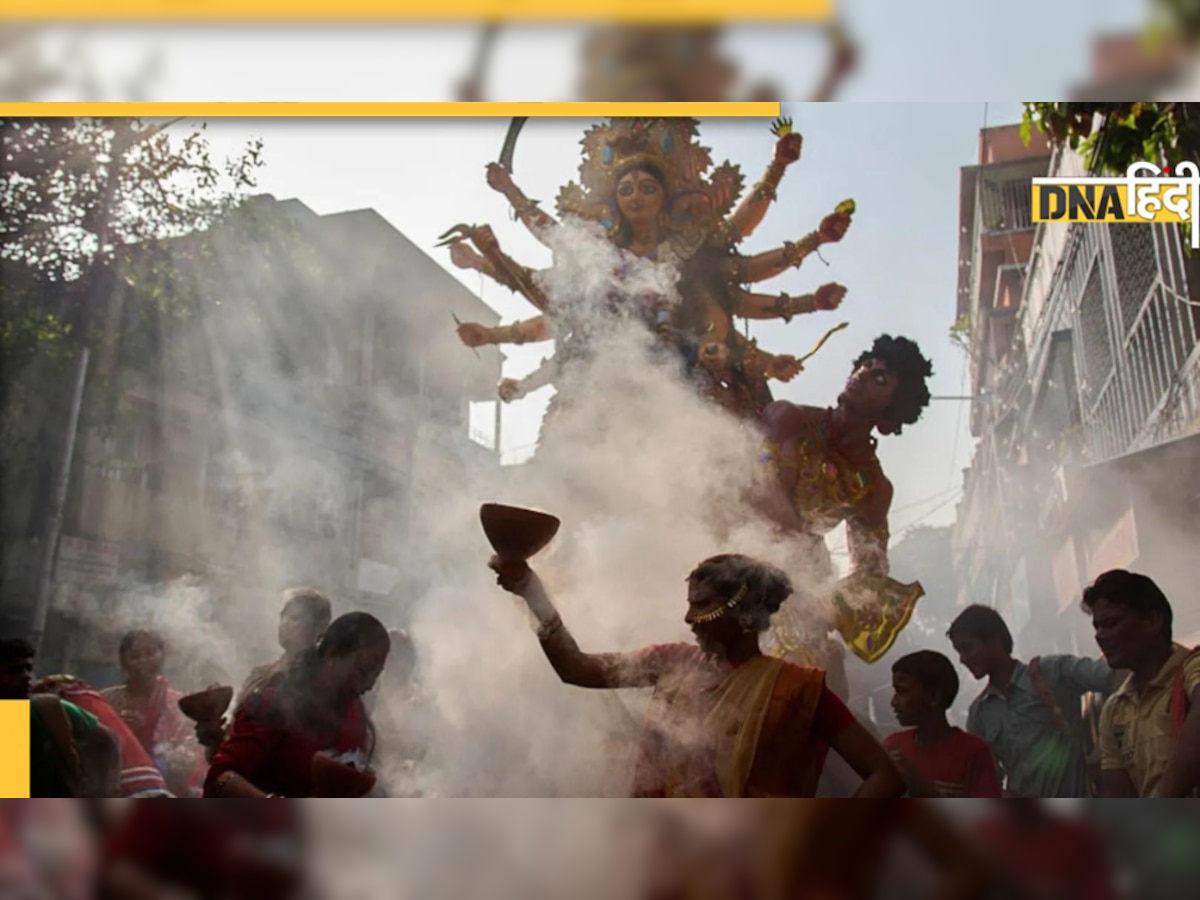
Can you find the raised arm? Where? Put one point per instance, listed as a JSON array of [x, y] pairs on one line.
[[589, 670], [777, 366], [841, 64], [539, 223], [748, 305], [511, 389], [751, 211], [495, 263], [527, 331], [792, 254]]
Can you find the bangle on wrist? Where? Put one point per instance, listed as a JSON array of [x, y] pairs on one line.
[[794, 252], [549, 629]]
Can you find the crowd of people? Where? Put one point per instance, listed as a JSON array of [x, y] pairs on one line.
[[725, 719], [132, 740]]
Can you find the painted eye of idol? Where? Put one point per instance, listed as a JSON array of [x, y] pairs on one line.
[[629, 186]]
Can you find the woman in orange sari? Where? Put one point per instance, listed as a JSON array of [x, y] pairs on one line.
[[150, 707], [725, 720]]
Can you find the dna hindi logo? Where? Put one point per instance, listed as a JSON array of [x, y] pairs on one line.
[[1145, 194]]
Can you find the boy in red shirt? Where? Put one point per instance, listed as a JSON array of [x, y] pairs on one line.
[[936, 759]]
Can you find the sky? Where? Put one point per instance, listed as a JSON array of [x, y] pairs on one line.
[[899, 162]]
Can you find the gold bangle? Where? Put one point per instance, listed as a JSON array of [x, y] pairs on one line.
[[794, 252], [787, 306], [551, 628], [766, 189]]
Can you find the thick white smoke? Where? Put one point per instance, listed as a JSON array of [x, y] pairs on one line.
[[648, 479]]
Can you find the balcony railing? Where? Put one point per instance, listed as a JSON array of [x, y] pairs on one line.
[[1137, 340]]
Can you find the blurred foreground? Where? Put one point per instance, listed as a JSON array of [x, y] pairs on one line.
[[585, 848], [1127, 51]]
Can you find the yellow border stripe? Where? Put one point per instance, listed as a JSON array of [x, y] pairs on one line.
[[660, 11], [385, 110], [14, 749]]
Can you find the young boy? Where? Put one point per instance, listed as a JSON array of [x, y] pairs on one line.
[[936, 759]]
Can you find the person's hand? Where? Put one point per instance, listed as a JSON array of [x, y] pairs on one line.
[[514, 577], [510, 389], [499, 179], [829, 296], [834, 227], [485, 239], [784, 367], [787, 148], [473, 334], [211, 733], [465, 257], [918, 784]]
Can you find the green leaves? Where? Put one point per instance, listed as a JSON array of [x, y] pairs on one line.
[[84, 201], [1129, 132]]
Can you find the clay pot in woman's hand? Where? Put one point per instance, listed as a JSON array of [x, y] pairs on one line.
[[517, 533], [207, 705], [334, 779]]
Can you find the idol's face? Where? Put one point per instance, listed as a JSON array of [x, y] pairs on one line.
[[640, 198]]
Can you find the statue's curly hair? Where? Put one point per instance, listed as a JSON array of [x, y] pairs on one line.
[[904, 360], [766, 586]]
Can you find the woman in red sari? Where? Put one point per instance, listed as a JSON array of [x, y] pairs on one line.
[[724, 720], [150, 707], [315, 707], [140, 778]]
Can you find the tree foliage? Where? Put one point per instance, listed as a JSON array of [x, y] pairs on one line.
[[83, 199], [1113, 136], [62, 214], [89, 206], [1180, 17]]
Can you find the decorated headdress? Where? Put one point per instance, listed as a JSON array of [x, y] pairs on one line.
[[671, 146]]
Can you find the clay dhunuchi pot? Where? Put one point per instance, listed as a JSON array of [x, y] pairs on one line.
[[207, 705], [517, 533]]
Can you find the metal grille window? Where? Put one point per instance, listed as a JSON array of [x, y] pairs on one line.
[[1005, 205], [1093, 327], [1137, 338], [1136, 266]]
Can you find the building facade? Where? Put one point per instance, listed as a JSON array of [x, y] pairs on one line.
[[299, 427], [1086, 400]]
